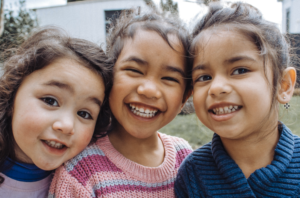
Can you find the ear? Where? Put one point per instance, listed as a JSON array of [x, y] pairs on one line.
[[287, 85]]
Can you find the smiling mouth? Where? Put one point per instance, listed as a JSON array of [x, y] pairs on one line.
[[54, 144], [225, 110], [143, 111]]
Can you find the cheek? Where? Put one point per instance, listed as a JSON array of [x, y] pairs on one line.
[[27, 124], [83, 139]]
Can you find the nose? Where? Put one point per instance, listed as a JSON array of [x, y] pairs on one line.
[[219, 87], [149, 89], [64, 124]]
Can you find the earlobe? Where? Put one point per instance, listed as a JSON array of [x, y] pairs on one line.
[[287, 85]]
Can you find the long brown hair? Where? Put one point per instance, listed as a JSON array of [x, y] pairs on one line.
[[38, 51], [248, 20]]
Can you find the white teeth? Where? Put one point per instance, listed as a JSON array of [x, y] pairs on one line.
[[54, 144], [143, 112], [224, 110]]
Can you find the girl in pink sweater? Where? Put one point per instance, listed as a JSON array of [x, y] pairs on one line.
[[149, 89]]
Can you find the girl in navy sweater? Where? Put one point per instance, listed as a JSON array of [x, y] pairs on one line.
[[241, 74]]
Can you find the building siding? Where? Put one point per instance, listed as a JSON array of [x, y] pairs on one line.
[[293, 6], [84, 19]]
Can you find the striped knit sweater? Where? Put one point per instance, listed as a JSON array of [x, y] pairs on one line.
[[101, 171], [210, 172]]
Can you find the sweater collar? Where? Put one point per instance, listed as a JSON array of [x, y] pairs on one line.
[[23, 172], [234, 175], [138, 171]]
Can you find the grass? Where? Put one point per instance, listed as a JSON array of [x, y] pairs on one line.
[[192, 130]]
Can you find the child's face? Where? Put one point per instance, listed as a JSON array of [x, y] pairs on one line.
[[148, 84], [55, 112], [232, 93]]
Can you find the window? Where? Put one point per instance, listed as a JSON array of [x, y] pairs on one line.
[[287, 20], [111, 16]]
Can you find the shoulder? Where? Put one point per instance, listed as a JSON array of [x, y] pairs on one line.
[[89, 154], [179, 143], [201, 155], [182, 147]]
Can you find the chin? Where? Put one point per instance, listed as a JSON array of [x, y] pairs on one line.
[[47, 167]]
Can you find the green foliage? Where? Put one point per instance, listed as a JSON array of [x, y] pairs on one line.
[[206, 2], [17, 26], [168, 7]]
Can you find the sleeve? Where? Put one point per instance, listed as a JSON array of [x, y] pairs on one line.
[[65, 186]]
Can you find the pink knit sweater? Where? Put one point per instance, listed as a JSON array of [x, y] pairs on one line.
[[101, 171]]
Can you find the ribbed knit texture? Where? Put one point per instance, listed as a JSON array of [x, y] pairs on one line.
[[210, 172], [101, 171]]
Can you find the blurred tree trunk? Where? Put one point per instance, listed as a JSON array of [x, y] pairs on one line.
[[1, 17]]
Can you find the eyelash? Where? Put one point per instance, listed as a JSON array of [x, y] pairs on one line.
[[170, 79], [89, 115], [51, 101], [134, 70], [203, 77], [244, 70]]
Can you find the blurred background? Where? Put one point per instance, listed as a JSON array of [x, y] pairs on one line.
[[90, 19]]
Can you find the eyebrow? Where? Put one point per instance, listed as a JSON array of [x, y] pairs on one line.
[[136, 59], [238, 58], [228, 61], [95, 100], [199, 67], [60, 85], [174, 69], [67, 87]]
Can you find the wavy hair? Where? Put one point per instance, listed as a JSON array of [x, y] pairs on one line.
[[38, 51]]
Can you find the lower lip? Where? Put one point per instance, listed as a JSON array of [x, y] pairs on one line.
[[54, 151], [223, 117], [142, 118]]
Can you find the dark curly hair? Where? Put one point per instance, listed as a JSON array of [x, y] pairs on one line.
[[247, 20], [38, 51]]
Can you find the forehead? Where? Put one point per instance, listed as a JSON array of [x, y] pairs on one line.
[[218, 43], [151, 47]]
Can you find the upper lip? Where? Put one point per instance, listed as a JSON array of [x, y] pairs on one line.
[[146, 105], [55, 140], [221, 104]]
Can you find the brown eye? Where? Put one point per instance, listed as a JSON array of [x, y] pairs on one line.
[[84, 115], [240, 71], [204, 78], [50, 101]]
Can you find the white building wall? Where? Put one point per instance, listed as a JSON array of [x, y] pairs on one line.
[[84, 19], [294, 7]]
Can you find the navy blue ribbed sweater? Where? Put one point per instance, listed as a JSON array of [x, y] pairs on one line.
[[210, 172]]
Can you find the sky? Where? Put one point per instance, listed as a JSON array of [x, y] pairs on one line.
[[271, 9]]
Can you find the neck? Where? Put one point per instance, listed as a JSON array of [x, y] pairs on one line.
[[252, 152], [141, 151]]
